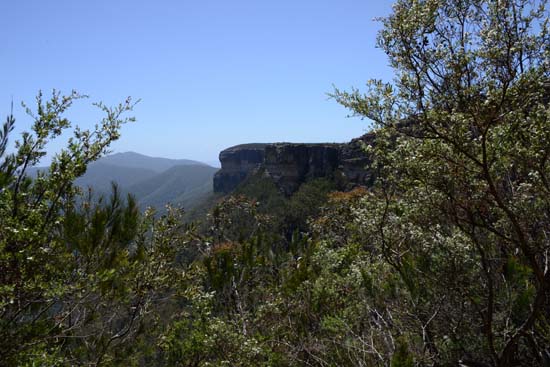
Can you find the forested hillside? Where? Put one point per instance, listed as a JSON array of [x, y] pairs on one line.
[[153, 181], [185, 186], [443, 259]]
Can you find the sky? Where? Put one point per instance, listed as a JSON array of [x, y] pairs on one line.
[[209, 74]]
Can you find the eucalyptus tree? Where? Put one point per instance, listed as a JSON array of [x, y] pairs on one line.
[[78, 276], [461, 207]]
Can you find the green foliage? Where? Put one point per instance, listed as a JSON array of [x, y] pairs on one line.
[[442, 262], [264, 191], [78, 277], [307, 203], [402, 357], [288, 215], [458, 209]]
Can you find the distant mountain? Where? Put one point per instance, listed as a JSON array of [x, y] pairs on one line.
[[136, 160], [153, 181], [99, 176], [182, 185]]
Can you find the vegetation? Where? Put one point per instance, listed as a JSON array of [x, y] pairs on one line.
[[442, 262], [77, 280], [461, 208], [288, 216], [153, 181]]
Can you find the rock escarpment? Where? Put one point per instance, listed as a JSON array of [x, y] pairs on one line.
[[291, 164], [238, 163]]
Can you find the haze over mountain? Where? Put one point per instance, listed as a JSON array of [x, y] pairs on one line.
[[154, 181], [184, 185], [136, 160]]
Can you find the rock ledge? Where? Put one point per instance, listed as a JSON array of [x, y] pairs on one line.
[[291, 164]]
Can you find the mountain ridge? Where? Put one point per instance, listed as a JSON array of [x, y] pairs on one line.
[[134, 159], [154, 181]]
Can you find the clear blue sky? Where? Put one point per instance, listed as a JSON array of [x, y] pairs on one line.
[[210, 73]]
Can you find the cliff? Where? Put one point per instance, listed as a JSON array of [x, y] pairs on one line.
[[291, 164], [237, 163]]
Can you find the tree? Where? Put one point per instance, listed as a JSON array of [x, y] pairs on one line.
[[461, 208], [79, 276]]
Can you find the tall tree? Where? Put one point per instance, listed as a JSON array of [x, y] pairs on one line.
[[78, 275], [461, 208]]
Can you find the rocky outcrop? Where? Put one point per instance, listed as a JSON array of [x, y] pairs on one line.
[[355, 164], [291, 164], [238, 163]]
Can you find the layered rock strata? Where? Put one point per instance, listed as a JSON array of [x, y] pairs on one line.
[[291, 164]]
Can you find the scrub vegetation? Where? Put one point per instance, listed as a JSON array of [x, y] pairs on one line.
[[443, 261]]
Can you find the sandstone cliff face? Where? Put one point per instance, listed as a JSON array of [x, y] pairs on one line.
[[291, 164], [237, 163], [355, 163]]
